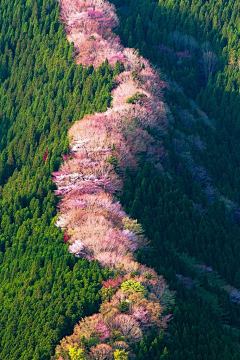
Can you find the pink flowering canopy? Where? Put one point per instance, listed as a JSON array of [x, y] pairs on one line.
[[95, 224]]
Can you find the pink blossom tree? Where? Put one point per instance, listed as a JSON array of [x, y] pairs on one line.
[[129, 327], [141, 314], [102, 352], [103, 331]]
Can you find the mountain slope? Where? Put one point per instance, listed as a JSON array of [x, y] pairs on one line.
[[44, 289], [104, 146], [163, 215]]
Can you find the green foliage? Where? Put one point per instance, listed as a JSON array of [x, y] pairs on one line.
[[136, 98], [148, 275], [133, 285], [76, 354], [107, 293], [113, 159], [133, 226], [124, 307], [117, 336], [133, 273], [136, 76], [120, 355]]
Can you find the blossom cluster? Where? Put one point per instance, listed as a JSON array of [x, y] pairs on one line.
[[89, 26], [103, 146], [134, 303]]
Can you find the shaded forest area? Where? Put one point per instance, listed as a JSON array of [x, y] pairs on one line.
[[205, 322], [196, 43], [188, 213]]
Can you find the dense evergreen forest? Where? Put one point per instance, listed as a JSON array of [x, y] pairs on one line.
[[190, 218], [205, 323], [175, 36], [197, 44]]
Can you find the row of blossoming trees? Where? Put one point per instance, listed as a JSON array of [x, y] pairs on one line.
[[103, 146]]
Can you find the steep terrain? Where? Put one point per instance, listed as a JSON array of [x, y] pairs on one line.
[[103, 147], [134, 105], [44, 289], [174, 169], [176, 212]]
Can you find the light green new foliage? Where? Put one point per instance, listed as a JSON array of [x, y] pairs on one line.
[[76, 354], [133, 225], [120, 355], [133, 285]]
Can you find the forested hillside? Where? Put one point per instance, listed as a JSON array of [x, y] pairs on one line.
[[104, 146], [195, 210], [170, 139], [44, 289], [197, 44]]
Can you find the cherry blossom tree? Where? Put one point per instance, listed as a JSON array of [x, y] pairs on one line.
[[103, 331], [77, 248], [128, 326], [102, 352], [141, 314]]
